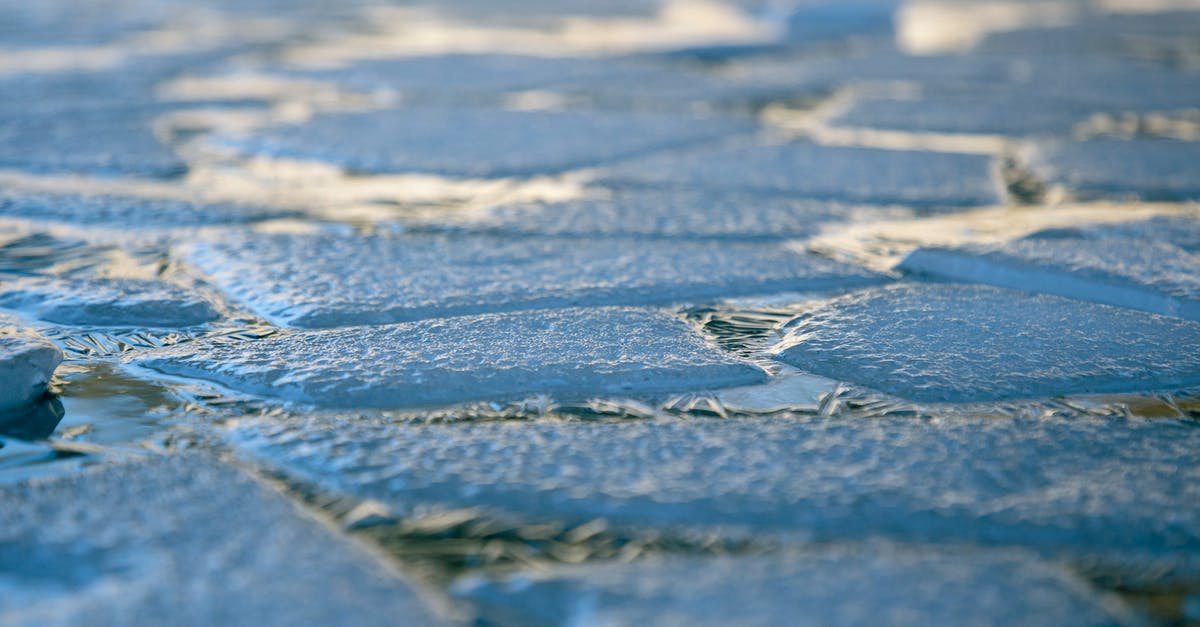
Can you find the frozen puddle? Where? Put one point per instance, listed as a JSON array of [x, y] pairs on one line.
[[481, 142], [121, 544], [1122, 492], [864, 587], [127, 212], [654, 213], [959, 343], [1150, 169], [921, 179], [570, 352], [27, 361], [331, 280], [1134, 273], [108, 302]]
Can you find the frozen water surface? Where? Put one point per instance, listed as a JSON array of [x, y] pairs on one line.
[[1122, 492], [1133, 273], [1150, 169], [482, 142], [829, 588], [27, 361], [956, 343], [107, 302], [333, 280], [847, 174], [571, 352], [185, 541]]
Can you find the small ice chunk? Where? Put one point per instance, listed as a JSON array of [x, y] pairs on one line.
[[184, 540], [334, 280], [1133, 273], [1149, 169], [918, 178], [482, 142], [834, 587], [1125, 493], [573, 353], [961, 343], [108, 302], [27, 361]]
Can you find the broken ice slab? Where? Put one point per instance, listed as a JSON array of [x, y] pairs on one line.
[[27, 361], [106, 141], [336, 280], [572, 353], [1124, 492], [963, 343], [978, 111], [65, 23], [839, 19], [175, 540], [107, 302], [1133, 273], [867, 175], [481, 142], [1164, 37], [1182, 231], [127, 212], [1149, 169], [668, 214], [864, 586]]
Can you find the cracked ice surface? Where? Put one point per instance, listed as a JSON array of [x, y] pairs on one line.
[[1120, 491], [66, 558], [922, 179], [569, 352], [481, 142], [27, 361], [959, 343], [107, 302], [1133, 273], [828, 588], [325, 281]]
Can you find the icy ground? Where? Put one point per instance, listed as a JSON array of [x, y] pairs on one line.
[[600, 312]]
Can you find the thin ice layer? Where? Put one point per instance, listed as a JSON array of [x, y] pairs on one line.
[[1149, 169], [27, 361], [836, 587], [574, 353], [108, 302], [1134, 273], [482, 142], [961, 343], [925, 179], [183, 541], [331, 280], [1122, 492]]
